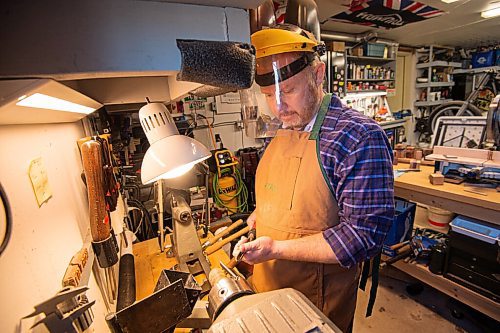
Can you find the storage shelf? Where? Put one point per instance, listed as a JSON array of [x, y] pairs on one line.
[[435, 84], [476, 70], [370, 80], [365, 93], [380, 92], [370, 58], [450, 288], [439, 64], [431, 103]]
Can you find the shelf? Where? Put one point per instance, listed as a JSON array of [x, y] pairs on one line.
[[367, 92], [439, 64], [370, 58], [451, 288], [370, 80], [435, 84], [476, 70], [431, 103]]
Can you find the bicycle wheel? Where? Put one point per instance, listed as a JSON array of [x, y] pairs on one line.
[[451, 109]]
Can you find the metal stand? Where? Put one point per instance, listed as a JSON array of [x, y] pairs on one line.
[[185, 241]]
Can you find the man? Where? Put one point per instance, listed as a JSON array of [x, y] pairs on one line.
[[324, 186]]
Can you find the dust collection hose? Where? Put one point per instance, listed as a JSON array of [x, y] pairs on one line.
[[8, 220], [241, 193], [126, 275]]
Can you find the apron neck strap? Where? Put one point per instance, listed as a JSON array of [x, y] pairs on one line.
[[321, 116]]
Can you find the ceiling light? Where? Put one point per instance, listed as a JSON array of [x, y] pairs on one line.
[[42, 101], [493, 12], [449, 1], [170, 154]]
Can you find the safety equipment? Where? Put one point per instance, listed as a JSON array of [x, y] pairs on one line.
[[282, 39], [285, 38], [283, 53]]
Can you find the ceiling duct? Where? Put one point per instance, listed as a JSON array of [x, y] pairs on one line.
[[339, 36], [262, 16], [302, 13]]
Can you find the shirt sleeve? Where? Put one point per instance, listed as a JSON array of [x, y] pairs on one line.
[[364, 188]]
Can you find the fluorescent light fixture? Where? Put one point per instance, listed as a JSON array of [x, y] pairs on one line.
[[493, 12], [42, 101], [449, 1]]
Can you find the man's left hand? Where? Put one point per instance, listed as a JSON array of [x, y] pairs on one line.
[[260, 250]]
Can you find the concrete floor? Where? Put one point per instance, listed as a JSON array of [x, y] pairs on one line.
[[396, 311]]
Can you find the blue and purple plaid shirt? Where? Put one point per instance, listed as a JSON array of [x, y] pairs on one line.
[[357, 158]]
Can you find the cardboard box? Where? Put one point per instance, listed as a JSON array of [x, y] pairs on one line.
[[357, 52], [335, 46]]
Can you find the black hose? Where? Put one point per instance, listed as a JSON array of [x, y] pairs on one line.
[[126, 282], [8, 220]]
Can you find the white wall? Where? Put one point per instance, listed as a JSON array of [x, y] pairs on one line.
[[233, 138], [102, 38], [43, 239]]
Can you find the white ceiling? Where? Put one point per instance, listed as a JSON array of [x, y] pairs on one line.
[[245, 4], [462, 25]]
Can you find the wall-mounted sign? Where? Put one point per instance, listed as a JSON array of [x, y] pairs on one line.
[[386, 14]]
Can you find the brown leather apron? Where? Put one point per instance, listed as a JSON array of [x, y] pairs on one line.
[[293, 201]]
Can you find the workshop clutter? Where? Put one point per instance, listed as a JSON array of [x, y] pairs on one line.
[[228, 188], [472, 256], [402, 225]]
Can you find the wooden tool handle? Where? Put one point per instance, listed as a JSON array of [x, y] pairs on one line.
[[232, 263], [225, 231], [94, 177], [218, 245]]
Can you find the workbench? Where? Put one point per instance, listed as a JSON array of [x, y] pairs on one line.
[[149, 263], [415, 186]]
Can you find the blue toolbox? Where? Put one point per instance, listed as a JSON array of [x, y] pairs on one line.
[[402, 225]]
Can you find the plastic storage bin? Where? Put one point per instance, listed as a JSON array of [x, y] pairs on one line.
[[402, 225], [483, 59], [476, 229], [374, 50], [438, 217]]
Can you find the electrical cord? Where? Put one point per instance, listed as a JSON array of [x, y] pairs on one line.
[[8, 220], [145, 229], [241, 193]]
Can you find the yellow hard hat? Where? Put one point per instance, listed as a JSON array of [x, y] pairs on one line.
[[273, 41]]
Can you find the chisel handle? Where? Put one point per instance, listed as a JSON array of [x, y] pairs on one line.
[[223, 242], [214, 239]]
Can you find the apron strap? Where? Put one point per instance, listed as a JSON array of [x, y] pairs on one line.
[[321, 116], [364, 278]]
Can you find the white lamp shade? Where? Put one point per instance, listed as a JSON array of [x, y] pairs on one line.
[[172, 157]]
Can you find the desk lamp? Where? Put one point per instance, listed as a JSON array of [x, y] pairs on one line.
[[172, 155]]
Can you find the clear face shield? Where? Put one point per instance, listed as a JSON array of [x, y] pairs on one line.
[[287, 87]]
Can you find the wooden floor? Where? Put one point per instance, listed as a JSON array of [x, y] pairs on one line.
[[396, 311]]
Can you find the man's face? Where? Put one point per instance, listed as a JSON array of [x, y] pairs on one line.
[[293, 101]]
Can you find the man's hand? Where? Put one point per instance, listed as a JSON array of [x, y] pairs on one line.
[[252, 219], [257, 251]]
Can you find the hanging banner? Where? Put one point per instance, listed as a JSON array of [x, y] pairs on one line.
[[386, 14]]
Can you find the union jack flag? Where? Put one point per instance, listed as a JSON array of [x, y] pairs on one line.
[[386, 14]]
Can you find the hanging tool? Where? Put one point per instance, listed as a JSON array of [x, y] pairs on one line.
[[239, 256], [214, 239], [103, 239], [229, 239], [69, 311]]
